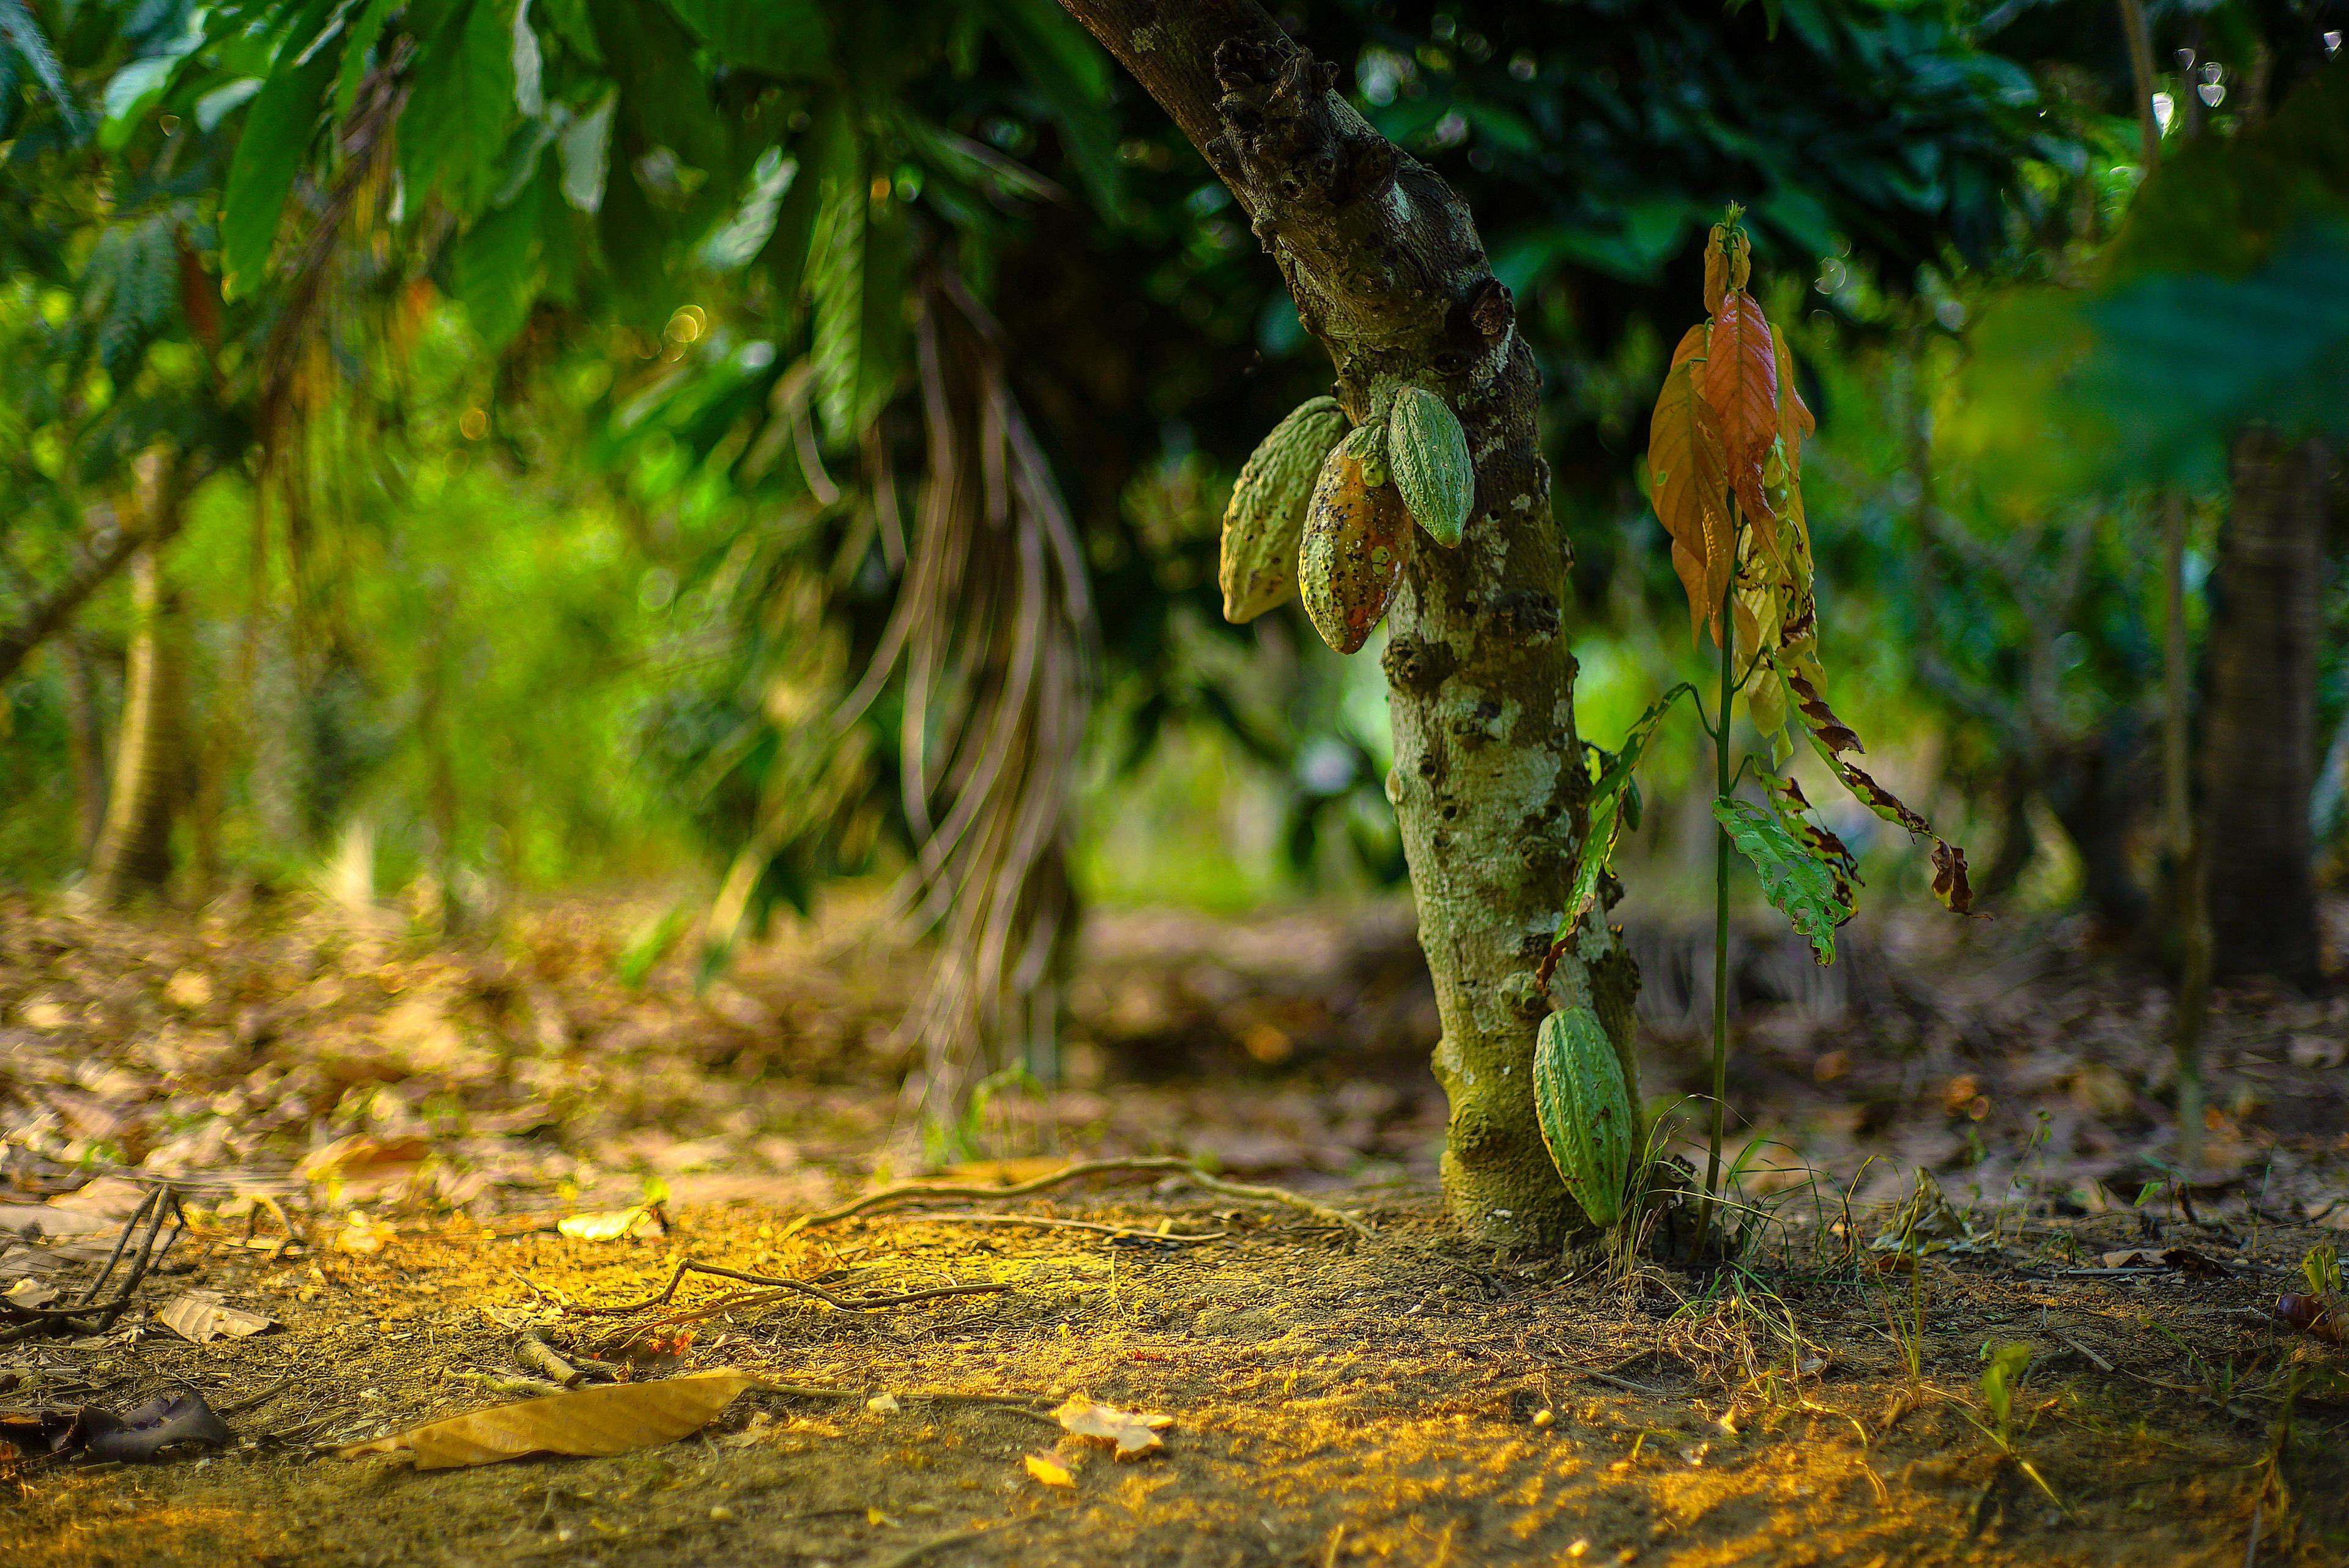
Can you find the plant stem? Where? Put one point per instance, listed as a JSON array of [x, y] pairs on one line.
[[1726, 637]]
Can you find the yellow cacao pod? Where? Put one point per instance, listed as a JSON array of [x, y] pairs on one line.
[[1265, 519], [1434, 473], [1357, 535]]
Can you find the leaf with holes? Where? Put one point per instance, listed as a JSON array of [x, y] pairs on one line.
[[1796, 883]]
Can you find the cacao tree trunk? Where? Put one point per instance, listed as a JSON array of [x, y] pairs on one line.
[[2259, 726], [134, 845], [1489, 783]]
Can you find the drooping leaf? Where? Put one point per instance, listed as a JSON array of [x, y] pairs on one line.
[[1610, 794], [585, 150], [1740, 383], [824, 154], [613, 1419], [1797, 885], [496, 270], [275, 142], [365, 33], [1786, 798], [1829, 731], [23, 36], [1830, 738], [1687, 482], [454, 128], [783, 40]]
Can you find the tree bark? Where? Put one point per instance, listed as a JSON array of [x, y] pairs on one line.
[[1489, 784], [85, 740], [134, 847], [2260, 740]]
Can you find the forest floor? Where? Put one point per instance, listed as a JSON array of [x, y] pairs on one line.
[[378, 1140]]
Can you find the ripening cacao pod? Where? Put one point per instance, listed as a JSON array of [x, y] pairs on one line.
[[1585, 1112], [1266, 518], [1432, 471], [1356, 534]]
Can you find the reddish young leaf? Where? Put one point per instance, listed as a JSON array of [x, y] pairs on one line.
[[1741, 383], [1728, 261], [1687, 482], [1794, 420]]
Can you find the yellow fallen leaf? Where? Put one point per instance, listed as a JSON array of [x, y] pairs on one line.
[[643, 1220], [612, 1418], [1134, 1432], [363, 1236], [1050, 1471], [202, 1317]]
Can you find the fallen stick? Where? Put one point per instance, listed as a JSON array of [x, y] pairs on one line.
[[1122, 1232], [780, 1286], [1173, 1165]]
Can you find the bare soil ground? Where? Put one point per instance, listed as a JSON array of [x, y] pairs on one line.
[[424, 1114]]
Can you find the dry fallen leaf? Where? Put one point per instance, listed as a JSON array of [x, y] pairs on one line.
[[359, 1152], [2130, 1258], [203, 1318], [644, 1219], [883, 1405], [611, 1418], [1050, 1471], [1134, 1432], [30, 1293], [362, 1235]]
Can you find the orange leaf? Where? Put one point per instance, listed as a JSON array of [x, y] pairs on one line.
[[1694, 343], [613, 1419], [1688, 474], [1741, 383], [1794, 420]]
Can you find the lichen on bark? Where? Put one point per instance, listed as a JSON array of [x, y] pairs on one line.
[[1489, 786]]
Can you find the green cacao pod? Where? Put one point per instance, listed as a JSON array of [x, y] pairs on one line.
[[1585, 1111], [1432, 471], [1355, 536], [1266, 518]]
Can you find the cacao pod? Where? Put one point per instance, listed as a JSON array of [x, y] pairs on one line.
[[1432, 471], [1585, 1111], [1356, 534], [1266, 518]]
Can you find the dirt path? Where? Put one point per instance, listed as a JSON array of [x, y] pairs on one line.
[[1333, 1401]]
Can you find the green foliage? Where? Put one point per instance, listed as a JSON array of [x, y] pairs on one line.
[[1796, 884], [455, 123], [275, 143]]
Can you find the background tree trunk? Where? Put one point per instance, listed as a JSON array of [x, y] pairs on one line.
[[1488, 785], [134, 847], [2260, 741], [84, 739]]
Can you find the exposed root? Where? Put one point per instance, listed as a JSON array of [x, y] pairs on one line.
[[1173, 1165]]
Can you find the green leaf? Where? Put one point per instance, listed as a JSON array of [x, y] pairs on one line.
[[585, 149], [454, 128], [22, 35], [822, 157], [1797, 885], [1613, 793], [1069, 73], [530, 96], [364, 34], [277, 132], [496, 270], [783, 39]]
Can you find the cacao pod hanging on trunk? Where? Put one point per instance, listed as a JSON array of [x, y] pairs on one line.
[[1432, 470], [1265, 519], [1585, 1112], [1356, 534]]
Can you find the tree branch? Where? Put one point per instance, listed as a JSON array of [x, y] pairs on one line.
[[95, 569]]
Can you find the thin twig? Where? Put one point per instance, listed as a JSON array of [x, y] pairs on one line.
[[1122, 1232], [781, 1286], [1171, 1165], [921, 1549], [2101, 1365]]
